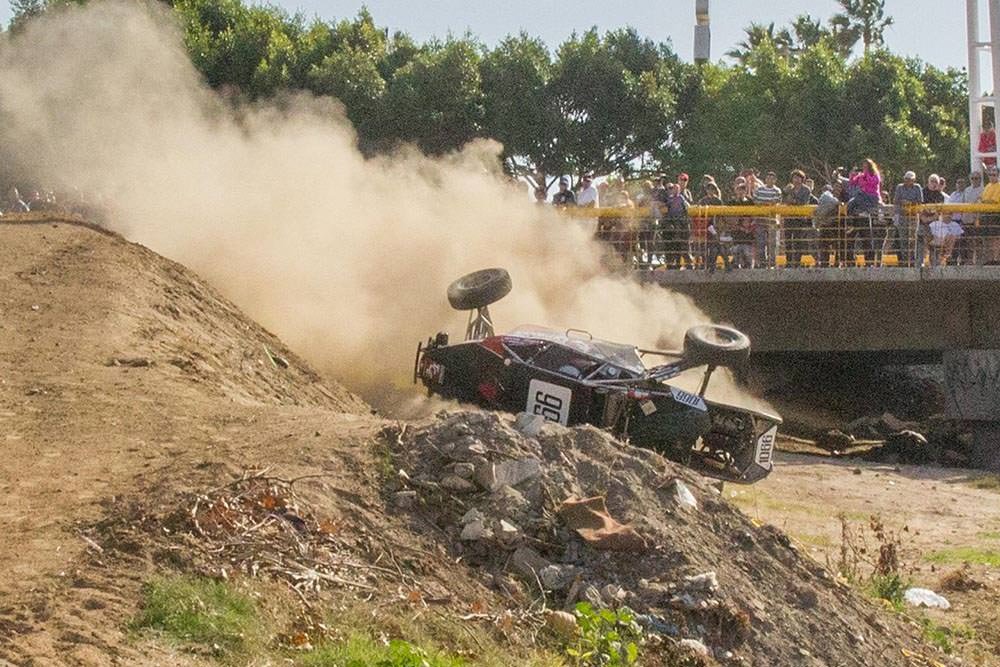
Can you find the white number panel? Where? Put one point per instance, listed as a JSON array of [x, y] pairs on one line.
[[549, 400], [693, 400]]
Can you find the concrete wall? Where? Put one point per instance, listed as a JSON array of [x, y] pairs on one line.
[[892, 310]]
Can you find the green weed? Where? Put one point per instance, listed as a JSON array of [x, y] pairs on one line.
[[988, 482], [972, 555], [942, 636], [198, 610], [888, 587], [360, 651], [607, 637]]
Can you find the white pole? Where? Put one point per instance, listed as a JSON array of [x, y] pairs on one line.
[[975, 82], [995, 56]]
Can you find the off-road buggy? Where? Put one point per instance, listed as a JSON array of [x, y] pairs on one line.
[[572, 378]]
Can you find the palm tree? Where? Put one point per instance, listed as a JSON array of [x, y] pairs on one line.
[[759, 34], [862, 19]]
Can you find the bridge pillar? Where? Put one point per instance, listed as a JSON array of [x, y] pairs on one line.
[[972, 386]]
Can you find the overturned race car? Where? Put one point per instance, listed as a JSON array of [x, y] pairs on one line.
[[572, 378]]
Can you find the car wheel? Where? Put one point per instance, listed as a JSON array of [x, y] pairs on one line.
[[713, 345], [479, 289]]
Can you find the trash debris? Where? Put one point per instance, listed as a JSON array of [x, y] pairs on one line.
[[589, 517], [923, 597], [682, 495]]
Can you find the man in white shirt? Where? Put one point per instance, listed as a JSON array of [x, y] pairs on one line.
[[971, 195], [587, 197]]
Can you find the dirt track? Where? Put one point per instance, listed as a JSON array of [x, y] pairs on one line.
[[125, 378]]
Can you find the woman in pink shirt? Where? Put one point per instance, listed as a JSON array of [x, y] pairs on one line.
[[867, 185]]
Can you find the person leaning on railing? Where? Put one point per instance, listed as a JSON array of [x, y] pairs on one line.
[[828, 227], [798, 231], [719, 238], [765, 229], [905, 230], [741, 227]]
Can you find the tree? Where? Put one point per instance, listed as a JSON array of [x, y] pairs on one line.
[[758, 35], [435, 100], [612, 113], [519, 111], [23, 11], [862, 19]]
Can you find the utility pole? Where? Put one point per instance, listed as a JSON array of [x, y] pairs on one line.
[[702, 32]]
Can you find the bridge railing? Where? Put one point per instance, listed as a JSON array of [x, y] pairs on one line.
[[722, 237]]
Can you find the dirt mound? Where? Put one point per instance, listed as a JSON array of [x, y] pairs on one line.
[[691, 564], [114, 362], [150, 427]]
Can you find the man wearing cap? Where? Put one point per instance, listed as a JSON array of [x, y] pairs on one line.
[[565, 196], [906, 228], [587, 197]]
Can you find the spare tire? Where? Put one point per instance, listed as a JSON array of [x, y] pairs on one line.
[[716, 346], [479, 289]]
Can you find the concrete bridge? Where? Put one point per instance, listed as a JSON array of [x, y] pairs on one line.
[[948, 315]]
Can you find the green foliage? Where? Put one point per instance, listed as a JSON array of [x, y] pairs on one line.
[[197, 610], [888, 587], [971, 555], [360, 651], [942, 636], [606, 637], [608, 103]]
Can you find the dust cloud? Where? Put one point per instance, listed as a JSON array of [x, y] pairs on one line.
[[344, 257]]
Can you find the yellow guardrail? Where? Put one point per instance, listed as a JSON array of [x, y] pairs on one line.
[[783, 210]]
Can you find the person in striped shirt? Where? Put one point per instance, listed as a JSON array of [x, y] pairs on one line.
[[765, 229]]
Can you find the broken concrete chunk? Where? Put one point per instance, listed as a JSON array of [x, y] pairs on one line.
[[472, 515], [529, 425], [557, 577], [464, 470], [475, 530], [694, 646], [512, 473], [707, 581], [457, 484]]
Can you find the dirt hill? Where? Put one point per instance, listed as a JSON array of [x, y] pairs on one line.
[[151, 428]]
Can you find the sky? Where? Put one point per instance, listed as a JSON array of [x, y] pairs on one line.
[[934, 30]]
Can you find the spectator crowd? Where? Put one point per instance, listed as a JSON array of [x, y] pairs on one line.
[[855, 214]]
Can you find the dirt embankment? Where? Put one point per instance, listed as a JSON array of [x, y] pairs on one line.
[[134, 399]]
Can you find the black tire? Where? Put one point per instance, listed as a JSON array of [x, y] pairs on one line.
[[479, 289], [713, 345]]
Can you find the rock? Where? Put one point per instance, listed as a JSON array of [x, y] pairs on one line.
[[404, 499], [923, 597], [557, 577], [509, 532], [613, 595], [694, 646], [529, 425], [457, 484], [682, 495], [563, 624], [593, 596], [856, 471], [835, 440], [475, 530], [657, 625], [893, 423], [512, 473], [464, 470], [528, 563], [472, 515], [706, 581]]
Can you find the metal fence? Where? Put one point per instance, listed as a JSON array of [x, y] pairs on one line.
[[745, 237]]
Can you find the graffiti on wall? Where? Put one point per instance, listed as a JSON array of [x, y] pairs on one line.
[[972, 384]]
